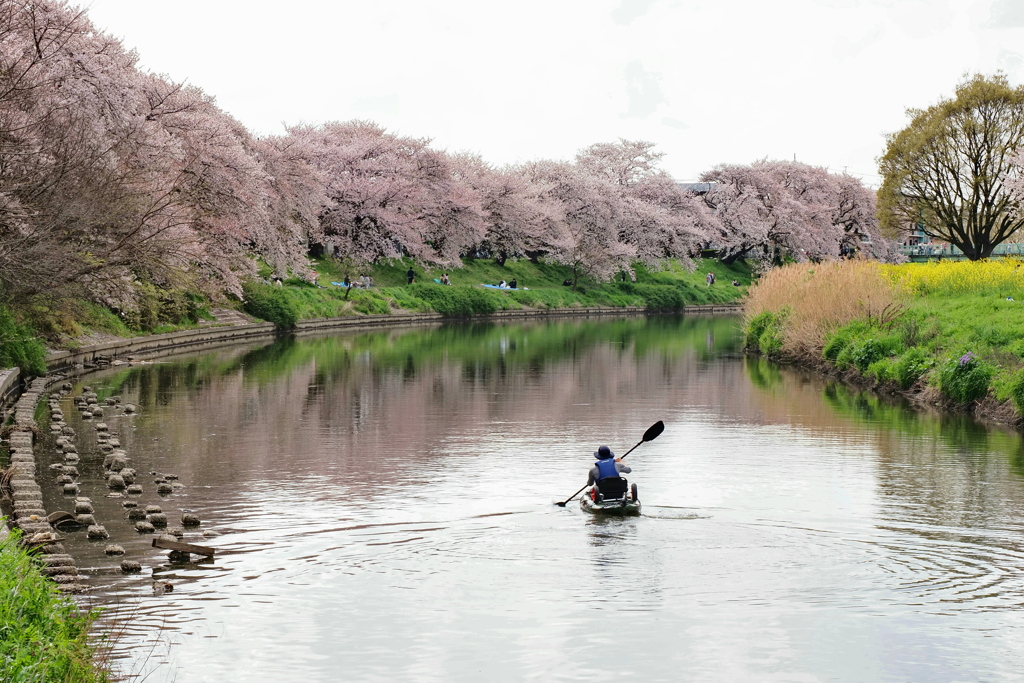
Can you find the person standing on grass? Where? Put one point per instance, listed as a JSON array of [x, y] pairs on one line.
[[410, 275]]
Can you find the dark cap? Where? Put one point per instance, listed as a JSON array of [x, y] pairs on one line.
[[603, 453]]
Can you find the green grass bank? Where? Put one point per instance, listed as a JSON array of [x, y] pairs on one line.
[[948, 333], [540, 286], [44, 635], [25, 333]]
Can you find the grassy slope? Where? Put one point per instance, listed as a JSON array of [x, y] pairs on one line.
[[664, 289], [943, 314], [543, 283]]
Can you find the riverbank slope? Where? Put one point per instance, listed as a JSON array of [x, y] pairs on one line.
[[45, 634], [25, 338], [948, 334]]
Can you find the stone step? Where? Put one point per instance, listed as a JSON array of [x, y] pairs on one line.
[[226, 316]]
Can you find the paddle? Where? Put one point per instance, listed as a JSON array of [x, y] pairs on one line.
[[652, 433]]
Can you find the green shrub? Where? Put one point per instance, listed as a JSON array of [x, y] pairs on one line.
[[883, 370], [662, 297], [1017, 390], [844, 359], [965, 379], [19, 348], [770, 341], [835, 343], [872, 349], [755, 328], [865, 353], [764, 332], [270, 302], [160, 306], [910, 367]]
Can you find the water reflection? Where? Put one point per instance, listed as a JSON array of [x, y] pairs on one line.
[[384, 504]]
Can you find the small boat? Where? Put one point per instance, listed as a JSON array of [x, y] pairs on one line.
[[611, 497], [623, 506]]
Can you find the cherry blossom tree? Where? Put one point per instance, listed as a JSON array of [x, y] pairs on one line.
[[513, 214], [772, 209], [389, 196], [625, 163], [582, 228], [656, 217], [108, 174]]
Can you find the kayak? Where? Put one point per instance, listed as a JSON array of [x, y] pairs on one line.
[[619, 506]]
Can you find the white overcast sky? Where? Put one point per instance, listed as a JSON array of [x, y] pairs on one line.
[[725, 81]]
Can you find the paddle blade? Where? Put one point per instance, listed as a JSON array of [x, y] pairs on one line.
[[654, 431]]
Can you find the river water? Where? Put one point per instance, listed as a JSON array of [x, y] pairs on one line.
[[383, 504]]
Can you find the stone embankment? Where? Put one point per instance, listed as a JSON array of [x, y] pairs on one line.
[[238, 330], [21, 492]]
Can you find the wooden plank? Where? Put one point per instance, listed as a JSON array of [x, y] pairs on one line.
[[183, 547]]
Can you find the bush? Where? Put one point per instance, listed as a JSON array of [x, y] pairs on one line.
[[844, 359], [835, 343], [764, 333], [965, 379], [910, 367], [864, 353], [770, 342], [755, 328], [661, 297], [271, 303], [19, 348], [1017, 390], [160, 306], [883, 370]]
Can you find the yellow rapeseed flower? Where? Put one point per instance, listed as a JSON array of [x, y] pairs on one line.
[[1004, 277]]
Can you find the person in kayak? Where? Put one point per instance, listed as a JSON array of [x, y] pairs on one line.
[[607, 465]]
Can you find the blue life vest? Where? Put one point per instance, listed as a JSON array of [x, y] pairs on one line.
[[606, 468]]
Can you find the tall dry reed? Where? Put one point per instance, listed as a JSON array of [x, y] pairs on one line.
[[820, 297]]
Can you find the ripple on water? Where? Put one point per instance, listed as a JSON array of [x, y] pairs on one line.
[[387, 515]]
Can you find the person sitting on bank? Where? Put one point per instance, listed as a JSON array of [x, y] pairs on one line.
[[607, 465], [513, 284], [503, 284], [444, 279]]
